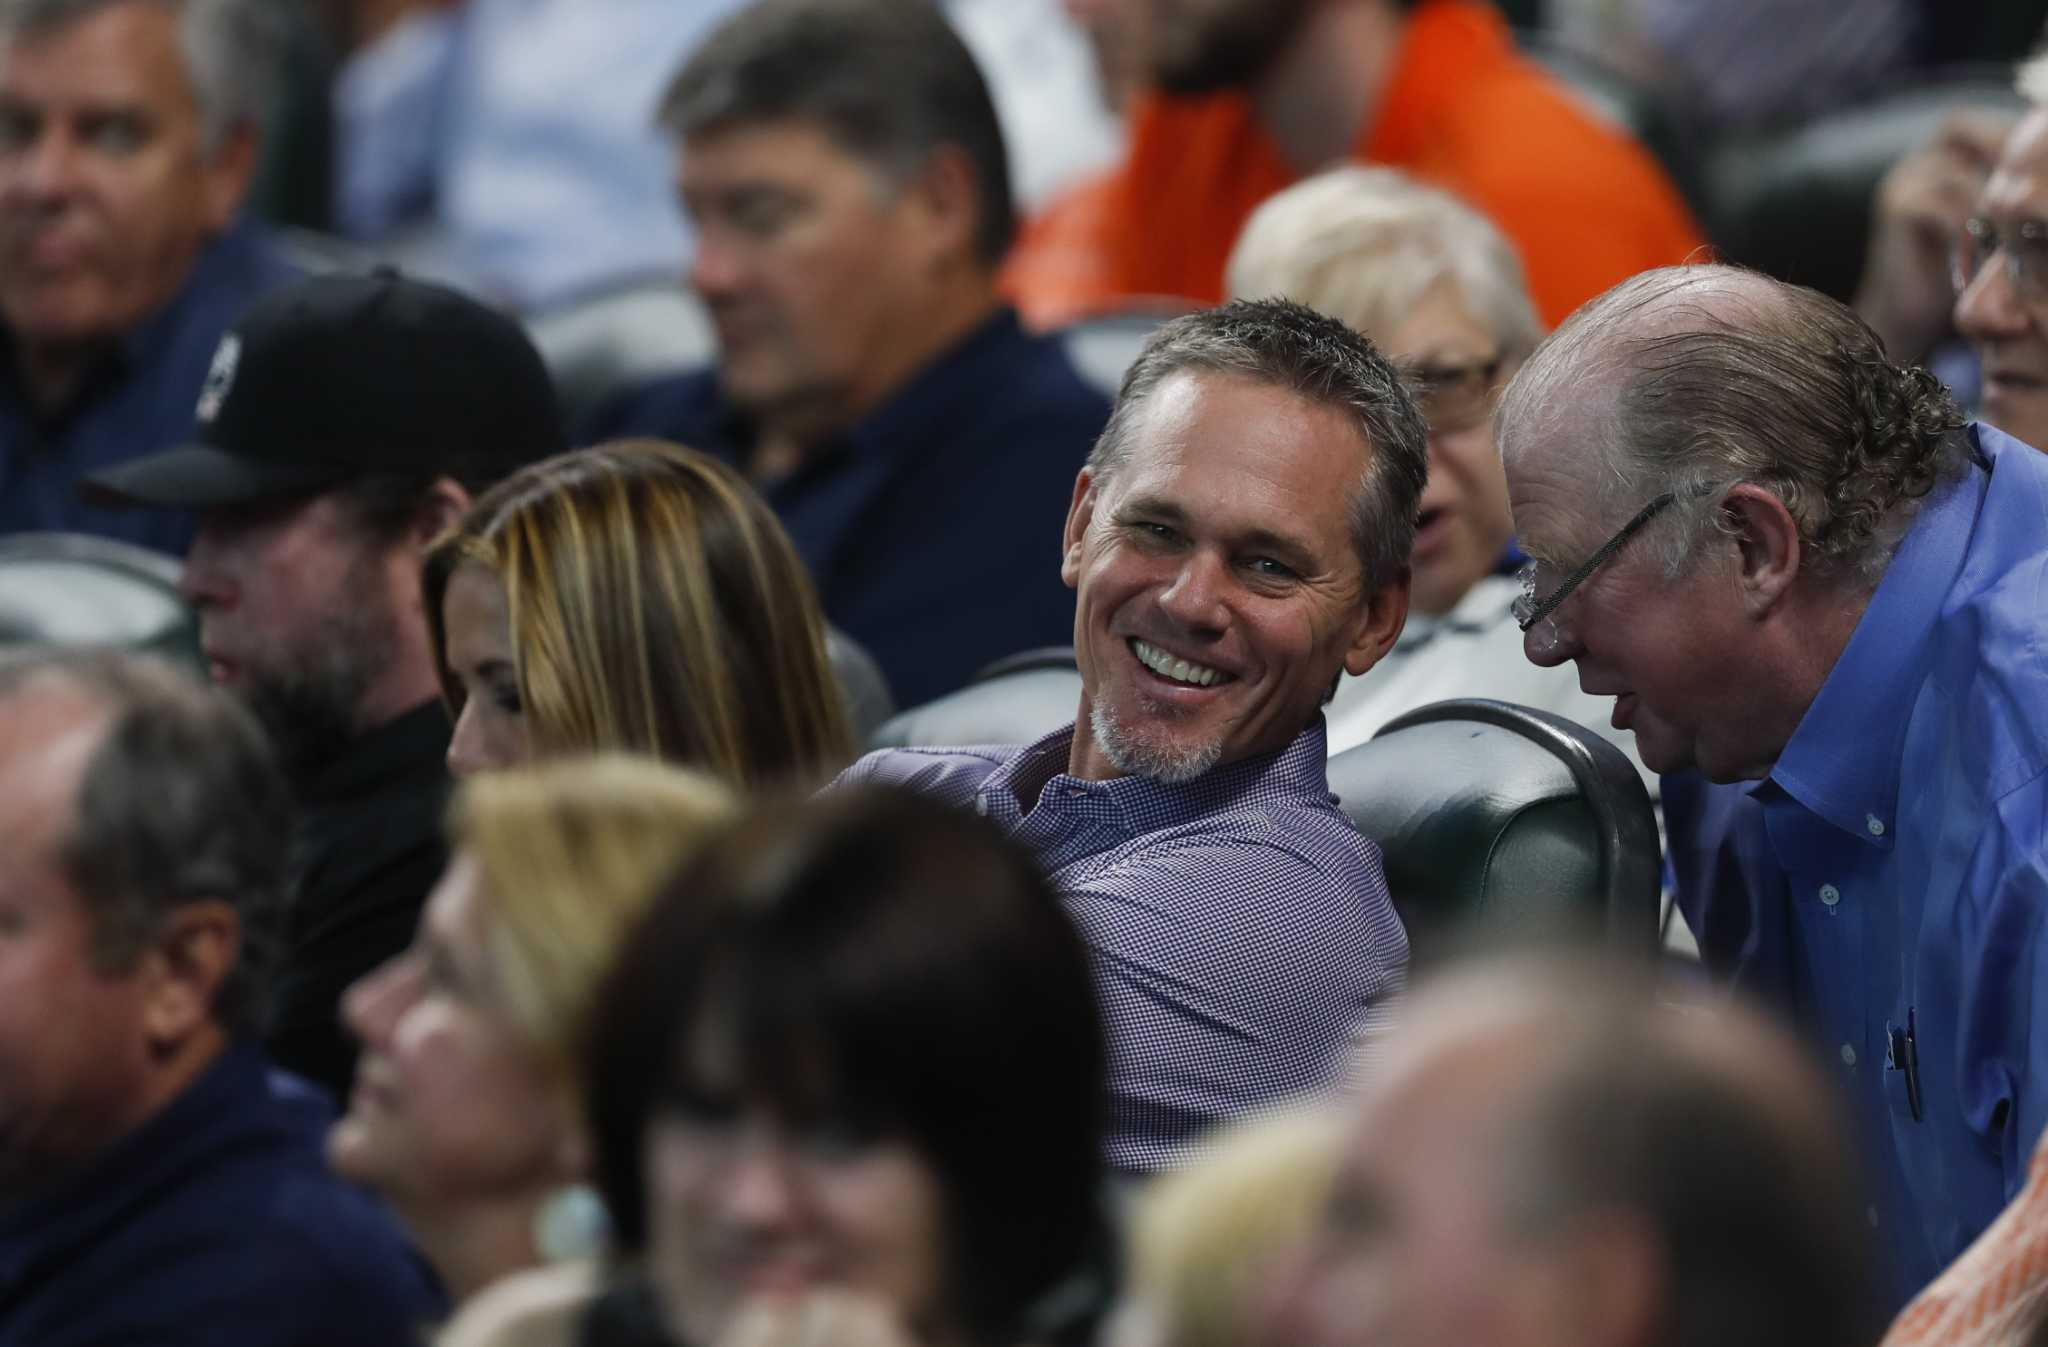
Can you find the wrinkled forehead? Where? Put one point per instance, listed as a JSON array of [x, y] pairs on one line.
[[2018, 186]]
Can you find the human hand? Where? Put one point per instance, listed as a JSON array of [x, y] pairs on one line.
[[1920, 209]]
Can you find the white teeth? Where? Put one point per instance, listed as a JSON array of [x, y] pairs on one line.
[[1179, 670]]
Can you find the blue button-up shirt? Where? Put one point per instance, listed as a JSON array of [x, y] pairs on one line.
[[1889, 878], [1240, 925], [932, 528], [216, 1222], [141, 400]]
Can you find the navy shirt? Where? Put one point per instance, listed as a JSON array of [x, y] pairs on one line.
[[140, 400], [932, 528], [215, 1222]]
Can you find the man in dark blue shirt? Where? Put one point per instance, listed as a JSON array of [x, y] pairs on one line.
[[159, 1181], [847, 179], [122, 168]]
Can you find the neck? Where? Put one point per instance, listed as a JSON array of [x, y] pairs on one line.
[[1316, 99], [52, 373], [476, 1244], [1815, 631], [784, 436]]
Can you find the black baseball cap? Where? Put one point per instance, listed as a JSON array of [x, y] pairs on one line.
[[344, 375]]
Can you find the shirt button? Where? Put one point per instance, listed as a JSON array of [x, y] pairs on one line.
[[1830, 895], [981, 806], [1848, 1055], [1875, 824]]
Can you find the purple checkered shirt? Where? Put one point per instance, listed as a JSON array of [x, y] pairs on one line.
[[1239, 924]]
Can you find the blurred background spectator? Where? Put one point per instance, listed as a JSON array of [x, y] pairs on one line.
[[465, 1116]]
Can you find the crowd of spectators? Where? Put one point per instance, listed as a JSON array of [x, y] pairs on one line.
[[512, 922]]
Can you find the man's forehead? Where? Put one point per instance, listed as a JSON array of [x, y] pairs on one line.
[[49, 731], [2018, 186], [126, 52]]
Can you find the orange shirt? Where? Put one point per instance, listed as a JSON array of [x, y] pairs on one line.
[[1996, 1292], [1586, 205]]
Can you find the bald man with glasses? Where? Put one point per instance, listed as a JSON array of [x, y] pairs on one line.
[[1805, 579]]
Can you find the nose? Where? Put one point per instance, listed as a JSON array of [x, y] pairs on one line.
[[206, 581], [1196, 598], [48, 168], [716, 268], [1988, 308], [467, 753], [1548, 643], [372, 1007], [760, 1190]]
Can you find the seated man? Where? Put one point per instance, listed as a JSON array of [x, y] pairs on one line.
[[349, 421], [1556, 1154], [847, 179], [159, 1182], [1253, 94], [1238, 541], [1793, 565], [123, 162]]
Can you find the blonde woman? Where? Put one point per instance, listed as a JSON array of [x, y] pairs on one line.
[[1205, 1241], [465, 1114], [636, 597], [1440, 290]]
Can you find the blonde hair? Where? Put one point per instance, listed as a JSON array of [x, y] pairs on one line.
[[656, 607], [1202, 1239], [570, 853], [1364, 245]]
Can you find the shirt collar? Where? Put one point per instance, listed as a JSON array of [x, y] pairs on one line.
[[397, 750], [1037, 775], [1843, 759], [1483, 607]]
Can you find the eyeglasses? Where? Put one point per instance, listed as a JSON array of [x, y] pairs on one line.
[[1456, 397], [2026, 257], [1530, 610]]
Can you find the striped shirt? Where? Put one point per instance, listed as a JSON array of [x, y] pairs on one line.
[[1239, 924]]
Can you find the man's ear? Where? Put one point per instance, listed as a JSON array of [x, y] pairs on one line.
[[185, 967], [1766, 538], [946, 194], [1079, 515], [1386, 612], [224, 176], [446, 502]]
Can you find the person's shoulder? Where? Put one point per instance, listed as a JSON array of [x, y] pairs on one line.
[[1027, 381], [685, 406], [939, 772]]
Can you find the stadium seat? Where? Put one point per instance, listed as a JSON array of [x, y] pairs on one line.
[[1505, 825], [70, 589], [1013, 701]]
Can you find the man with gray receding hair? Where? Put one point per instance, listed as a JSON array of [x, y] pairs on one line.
[[1794, 565], [1550, 1153], [159, 1181], [128, 133]]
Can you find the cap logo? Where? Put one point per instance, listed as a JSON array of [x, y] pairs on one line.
[[219, 378]]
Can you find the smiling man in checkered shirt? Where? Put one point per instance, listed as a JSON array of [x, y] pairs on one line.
[[1238, 539]]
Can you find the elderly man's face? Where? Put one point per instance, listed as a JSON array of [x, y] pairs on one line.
[[1220, 588], [2009, 326], [107, 193], [812, 264], [1207, 46], [73, 1052], [1669, 651], [1414, 1247]]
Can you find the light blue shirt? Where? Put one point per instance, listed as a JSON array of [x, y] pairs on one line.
[[1890, 873]]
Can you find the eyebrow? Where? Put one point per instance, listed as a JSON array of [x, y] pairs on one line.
[[1280, 546]]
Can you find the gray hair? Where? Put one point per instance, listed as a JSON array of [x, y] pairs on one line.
[[1717, 375], [1277, 341], [234, 51], [1366, 244], [890, 82], [181, 801]]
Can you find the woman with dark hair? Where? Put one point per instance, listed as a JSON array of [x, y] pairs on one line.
[[850, 1065]]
